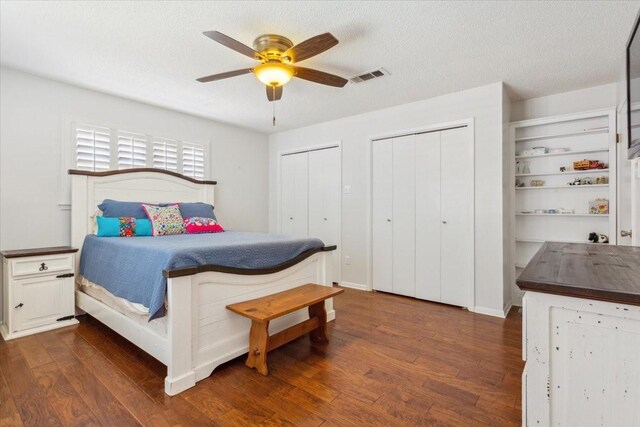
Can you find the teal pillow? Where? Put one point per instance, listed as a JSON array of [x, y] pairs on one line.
[[113, 227], [108, 227], [143, 227]]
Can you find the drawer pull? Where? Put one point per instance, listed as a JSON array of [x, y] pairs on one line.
[[19, 305], [62, 276], [43, 267]]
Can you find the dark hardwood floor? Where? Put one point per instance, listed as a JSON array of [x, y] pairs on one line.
[[391, 361]]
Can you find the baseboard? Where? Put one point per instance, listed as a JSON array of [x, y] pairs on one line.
[[354, 286], [489, 311]]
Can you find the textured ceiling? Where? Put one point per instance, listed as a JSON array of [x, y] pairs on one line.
[[154, 51]]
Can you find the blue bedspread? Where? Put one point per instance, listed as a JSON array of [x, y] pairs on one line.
[[131, 268]]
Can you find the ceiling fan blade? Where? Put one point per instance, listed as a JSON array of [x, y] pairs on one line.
[[232, 44], [226, 75], [274, 95], [320, 77], [311, 47]]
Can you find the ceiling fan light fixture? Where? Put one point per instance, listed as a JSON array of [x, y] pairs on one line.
[[273, 73]]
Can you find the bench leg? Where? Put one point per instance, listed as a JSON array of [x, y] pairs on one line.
[[258, 339], [320, 333]]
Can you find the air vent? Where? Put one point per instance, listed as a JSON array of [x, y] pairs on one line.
[[370, 75]]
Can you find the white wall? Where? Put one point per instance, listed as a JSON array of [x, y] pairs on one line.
[[32, 116], [485, 105]]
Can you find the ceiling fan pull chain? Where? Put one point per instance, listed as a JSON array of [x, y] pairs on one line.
[[274, 105]]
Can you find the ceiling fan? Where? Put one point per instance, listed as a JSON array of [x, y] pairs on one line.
[[277, 56]]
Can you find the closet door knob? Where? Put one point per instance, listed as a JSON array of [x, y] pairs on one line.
[[290, 217], [388, 219], [444, 222], [325, 219]]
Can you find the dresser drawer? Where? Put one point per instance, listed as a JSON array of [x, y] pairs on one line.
[[41, 265]]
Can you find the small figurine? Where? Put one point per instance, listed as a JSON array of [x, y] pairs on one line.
[[602, 180], [598, 238], [563, 169], [587, 181], [537, 183], [519, 184], [576, 181]]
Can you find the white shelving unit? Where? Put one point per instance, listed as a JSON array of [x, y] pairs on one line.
[[589, 135]]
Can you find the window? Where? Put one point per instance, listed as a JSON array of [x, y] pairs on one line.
[[193, 160], [93, 148], [132, 150], [103, 148], [165, 154]]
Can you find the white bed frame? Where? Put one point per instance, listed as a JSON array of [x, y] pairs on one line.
[[201, 332]]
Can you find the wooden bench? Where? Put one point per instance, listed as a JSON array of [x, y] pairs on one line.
[[263, 310]]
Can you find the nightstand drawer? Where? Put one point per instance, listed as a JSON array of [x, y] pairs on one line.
[[41, 265]]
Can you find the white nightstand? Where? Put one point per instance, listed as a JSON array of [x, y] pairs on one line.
[[38, 290]]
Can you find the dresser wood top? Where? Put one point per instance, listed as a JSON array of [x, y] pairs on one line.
[[54, 250], [600, 272]]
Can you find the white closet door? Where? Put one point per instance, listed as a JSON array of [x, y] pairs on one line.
[[428, 223], [287, 194], [404, 216], [325, 200], [382, 205], [455, 188], [301, 195]]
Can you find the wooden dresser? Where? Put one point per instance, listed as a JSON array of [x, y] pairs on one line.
[[581, 336]]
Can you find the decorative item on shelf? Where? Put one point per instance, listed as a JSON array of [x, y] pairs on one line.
[[587, 180], [602, 180], [598, 238], [565, 211], [518, 167], [519, 184], [552, 211], [599, 207], [602, 165], [540, 211], [563, 169], [576, 181], [581, 165], [535, 151], [537, 183], [525, 168], [558, 150]]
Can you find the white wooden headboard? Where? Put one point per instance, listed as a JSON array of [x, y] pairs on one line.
[[89, 189]]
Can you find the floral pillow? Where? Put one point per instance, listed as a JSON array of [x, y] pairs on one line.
[[197, 225], [165, 220]]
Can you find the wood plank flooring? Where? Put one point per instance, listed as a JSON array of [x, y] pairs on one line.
[[391, 361]]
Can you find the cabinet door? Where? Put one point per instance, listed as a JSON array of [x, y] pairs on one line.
[[428, 223], [287, 194], [404, 216], [301, 195], [382, 200], [456, 189], [40, 301]]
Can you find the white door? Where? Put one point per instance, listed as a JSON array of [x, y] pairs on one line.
[[294, 194], [287, 194], [40, 301], [635, 202], [404, 216], [428, 225], [325, 200], [382, 205], [456, 187]]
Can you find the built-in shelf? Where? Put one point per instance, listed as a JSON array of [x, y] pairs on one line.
[[586, 242], [567, 215], [560, 135], [588, 171], [552, 187], [565, 153]]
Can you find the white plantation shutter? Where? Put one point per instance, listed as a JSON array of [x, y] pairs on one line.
[[93, 148], [165, 154], [132, 150], [193, 160]]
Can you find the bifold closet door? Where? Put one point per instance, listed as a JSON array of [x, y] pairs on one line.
[[294, 194], [428, 223], [382, 209], [456, 245], [325, 200], [403, 218]]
